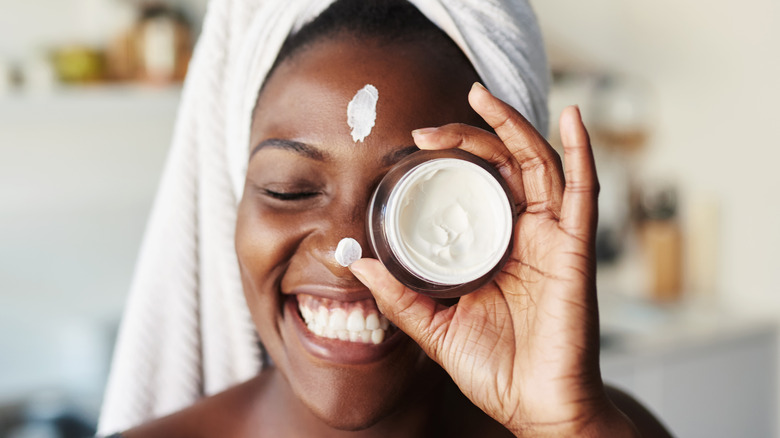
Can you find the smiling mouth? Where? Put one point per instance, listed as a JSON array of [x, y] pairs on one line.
[[354, 321]]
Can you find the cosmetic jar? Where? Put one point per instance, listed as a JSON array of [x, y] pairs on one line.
[[442, 222]]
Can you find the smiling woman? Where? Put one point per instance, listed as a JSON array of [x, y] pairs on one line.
[[352, 351], [299, 202]]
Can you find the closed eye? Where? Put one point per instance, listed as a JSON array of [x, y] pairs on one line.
[[290, 196]]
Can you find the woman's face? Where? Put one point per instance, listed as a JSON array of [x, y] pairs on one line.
[[308, 186]]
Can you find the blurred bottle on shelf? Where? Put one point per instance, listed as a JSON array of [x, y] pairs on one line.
[[662, 241]]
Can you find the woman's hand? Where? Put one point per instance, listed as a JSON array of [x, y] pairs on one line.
[[525, 347]]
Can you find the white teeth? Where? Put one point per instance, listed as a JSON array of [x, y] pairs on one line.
[[338, 319], [335, 323], [372, 321], [322, 317], [377, 336], [356, 322]]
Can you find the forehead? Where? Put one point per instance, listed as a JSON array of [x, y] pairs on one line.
[[418, 86]]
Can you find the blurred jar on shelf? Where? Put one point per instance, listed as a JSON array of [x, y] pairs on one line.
[[74, 64], [157, 49]]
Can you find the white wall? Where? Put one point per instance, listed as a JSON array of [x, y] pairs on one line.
[[714, 66], [78, 172]]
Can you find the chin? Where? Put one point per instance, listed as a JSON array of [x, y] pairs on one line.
[[348, 404]]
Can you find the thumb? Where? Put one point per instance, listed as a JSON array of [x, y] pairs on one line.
[[417, 315]]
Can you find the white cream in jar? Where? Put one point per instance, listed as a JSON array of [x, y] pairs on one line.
[[442, 222]]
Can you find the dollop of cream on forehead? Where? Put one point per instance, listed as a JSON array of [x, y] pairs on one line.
[[361, 112]]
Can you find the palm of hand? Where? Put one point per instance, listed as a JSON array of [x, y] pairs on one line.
[[536, 308]]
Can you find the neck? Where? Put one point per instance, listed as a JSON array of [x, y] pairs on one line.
[[287, 416]]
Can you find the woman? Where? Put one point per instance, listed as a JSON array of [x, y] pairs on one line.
[[518, 356]]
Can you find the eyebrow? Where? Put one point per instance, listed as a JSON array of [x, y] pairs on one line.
[[290, 145], [397, 155], [314, 153]]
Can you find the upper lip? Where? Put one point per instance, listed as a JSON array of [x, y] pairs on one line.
[[332, 292]]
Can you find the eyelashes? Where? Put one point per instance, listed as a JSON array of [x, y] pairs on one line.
[[290, 196]]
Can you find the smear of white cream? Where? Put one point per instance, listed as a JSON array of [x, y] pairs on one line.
[[348, 251], [361, 112]]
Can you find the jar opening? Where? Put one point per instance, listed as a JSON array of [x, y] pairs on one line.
[[449, 221]]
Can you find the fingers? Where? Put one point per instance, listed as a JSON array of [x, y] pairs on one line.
[[540, 165], [480, 143], [415, 314], [579, 213], [528, 163]]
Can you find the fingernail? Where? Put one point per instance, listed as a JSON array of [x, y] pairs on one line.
[[478, 85], [576, 107], [423, 132]]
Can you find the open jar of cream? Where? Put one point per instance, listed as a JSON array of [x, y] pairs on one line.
[[442, 222]]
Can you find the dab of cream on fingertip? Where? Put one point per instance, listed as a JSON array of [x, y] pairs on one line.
[[348, 251], [361, 112]]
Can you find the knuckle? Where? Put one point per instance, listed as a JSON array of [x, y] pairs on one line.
[[535, 163], [506, 122], [458, 126]]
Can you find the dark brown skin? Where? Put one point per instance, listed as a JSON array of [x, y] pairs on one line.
[[284, 246], [541, 378]]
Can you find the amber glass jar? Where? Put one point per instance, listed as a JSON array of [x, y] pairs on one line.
[[442, 222]]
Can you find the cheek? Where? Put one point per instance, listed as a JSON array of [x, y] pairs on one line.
[[264, 245], [259, 243]]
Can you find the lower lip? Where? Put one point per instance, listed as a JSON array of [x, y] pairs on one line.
[[335, 350]]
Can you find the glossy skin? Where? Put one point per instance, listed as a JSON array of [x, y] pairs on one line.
[[523, 349]]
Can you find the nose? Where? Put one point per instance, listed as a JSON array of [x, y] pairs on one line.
[[345, 219]]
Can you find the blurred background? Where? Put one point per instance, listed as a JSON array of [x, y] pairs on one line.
[[682, 102]]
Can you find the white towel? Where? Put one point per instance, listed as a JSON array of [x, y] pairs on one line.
[[186, 331]]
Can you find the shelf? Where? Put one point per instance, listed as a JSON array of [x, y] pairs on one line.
[[78, 101]]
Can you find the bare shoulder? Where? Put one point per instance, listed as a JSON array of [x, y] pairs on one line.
[[648, 424], [224, 414]]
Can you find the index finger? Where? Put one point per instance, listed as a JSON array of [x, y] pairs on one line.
[[540, 164]]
